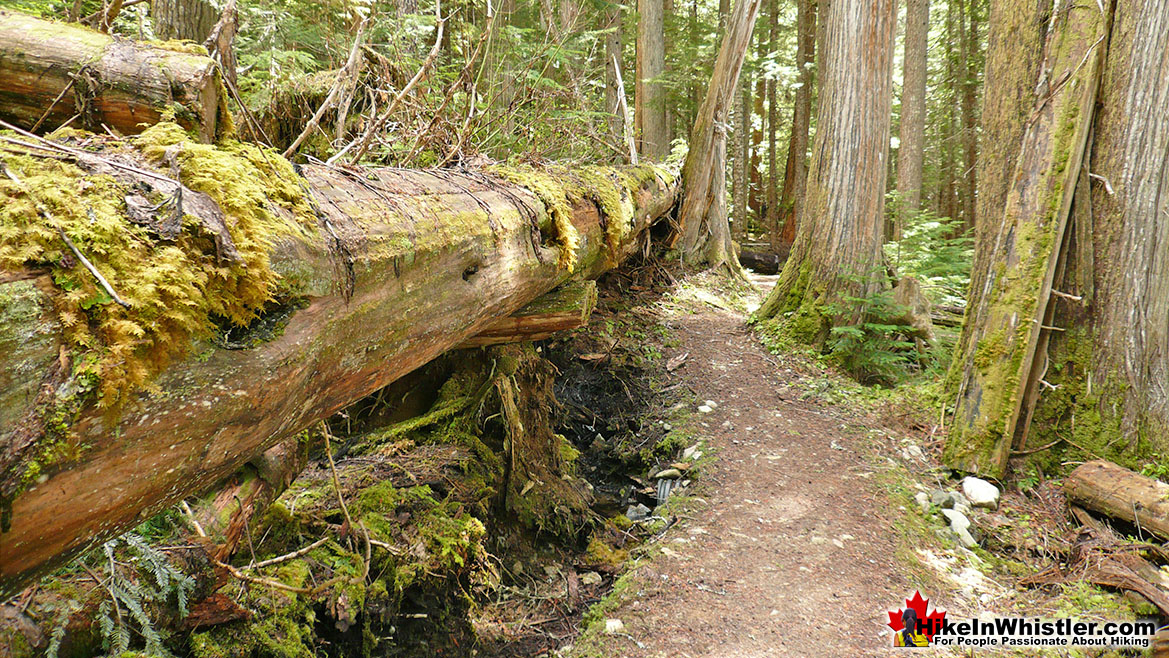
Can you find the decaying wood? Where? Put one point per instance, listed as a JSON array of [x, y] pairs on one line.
[[1115, 491], [1004, 328], [405, 266], [762, 262], [52, 74], [567, 307]]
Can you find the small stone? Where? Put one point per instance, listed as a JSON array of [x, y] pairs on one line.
[[688, 453], [958, 520], [923, 501], [712, 404], [590, 578], [637, 512], [552, 570], [705, 409], [980, 493], [667, 426], [668, 474], [614, 626], [837, 543], [965, 538], [818, 540], [942, 498], [681, 466]]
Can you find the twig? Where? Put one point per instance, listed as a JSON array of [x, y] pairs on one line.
[[352, 66], [1032, 451], [377, 124], [64, 90], [290, 556], [44, 211]]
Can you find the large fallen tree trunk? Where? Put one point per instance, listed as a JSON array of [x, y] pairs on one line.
[[372, 274], [1115, 491], [53, 73]]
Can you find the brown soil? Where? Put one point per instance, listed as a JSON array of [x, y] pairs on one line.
[[790, 551]]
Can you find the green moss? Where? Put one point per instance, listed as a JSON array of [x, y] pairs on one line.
[[553, 194], [600, 553]]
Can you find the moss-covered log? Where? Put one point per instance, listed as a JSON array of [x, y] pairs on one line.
[[287, 299], [54, 73]]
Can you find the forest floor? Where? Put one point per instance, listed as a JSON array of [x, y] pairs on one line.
[[802, 533]]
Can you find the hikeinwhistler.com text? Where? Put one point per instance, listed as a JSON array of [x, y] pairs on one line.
[[1035, 632]]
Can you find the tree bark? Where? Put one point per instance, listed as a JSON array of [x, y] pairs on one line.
[[650, 94], [1004, 327], [189, 20], [795, 171], [838, 247], [771, 221], [614, 61], [742, 157], [52, 73], [402, 267], [911, 151], [1115, 491], [1111, 363], [704, 231], [968, 89]]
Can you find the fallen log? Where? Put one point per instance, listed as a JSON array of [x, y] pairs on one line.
[[567, 307], [338, 283], [762, 262], [1115, 491], [54, 73]]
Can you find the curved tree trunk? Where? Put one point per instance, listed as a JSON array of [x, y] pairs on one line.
[[838, 247], [704, 231]]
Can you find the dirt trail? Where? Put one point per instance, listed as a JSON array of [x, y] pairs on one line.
[[793, 552]]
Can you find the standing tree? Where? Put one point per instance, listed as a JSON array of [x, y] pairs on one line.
[[652, 128], [795, 171], [911, 152], [183, 19], [771, 221], [1067, 325], [704, 233], [838, 246]]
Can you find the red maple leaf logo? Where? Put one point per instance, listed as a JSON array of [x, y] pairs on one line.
[[931, 622]]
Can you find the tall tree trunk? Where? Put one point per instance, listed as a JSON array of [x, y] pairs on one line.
[[838, 246], [947, 179], [650, 96], [755, 200], [968, 89], [614, 57], [795, 171], [911, 152], [183, 19], [704, 232], [1008, 327], [740, 180], [772, 219]]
